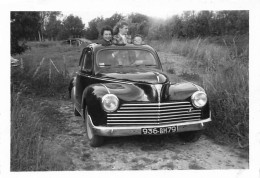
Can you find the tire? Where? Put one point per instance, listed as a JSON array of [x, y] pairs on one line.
[[94, 140], [191, 136], [72, 96]]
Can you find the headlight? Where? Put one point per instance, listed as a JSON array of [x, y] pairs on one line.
[[110, 102], [199, 99]]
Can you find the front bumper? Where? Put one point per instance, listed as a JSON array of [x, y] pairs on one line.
[[136, 130]]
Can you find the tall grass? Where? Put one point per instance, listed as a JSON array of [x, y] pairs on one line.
[[26, 142], [64, 57], [225, 75], [33, 122]]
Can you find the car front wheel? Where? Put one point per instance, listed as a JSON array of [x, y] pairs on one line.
[[94, 140], [191, 136]]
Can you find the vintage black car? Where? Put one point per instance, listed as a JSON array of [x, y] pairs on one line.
[[122, 91]]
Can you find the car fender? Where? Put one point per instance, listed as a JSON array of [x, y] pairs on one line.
[[126, 92], [183, 91], [180, 91]]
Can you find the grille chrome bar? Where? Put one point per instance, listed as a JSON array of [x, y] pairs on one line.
[[155, 104], [159, 118], [154, 110], [178, 106], [152, 120], [150, 123], [153, 113]]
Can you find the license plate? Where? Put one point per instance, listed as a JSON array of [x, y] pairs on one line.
[[158, 131]]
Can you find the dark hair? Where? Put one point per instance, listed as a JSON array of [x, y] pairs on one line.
[[106, 28], [138, 35], [119, 24]]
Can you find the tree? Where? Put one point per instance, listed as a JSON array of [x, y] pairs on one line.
[[112, 21], [24, 26], [44, 15], [92, 30], [139, 24], [73, 27], [53, 26]]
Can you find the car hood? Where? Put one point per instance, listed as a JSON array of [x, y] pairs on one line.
[[137, 75]]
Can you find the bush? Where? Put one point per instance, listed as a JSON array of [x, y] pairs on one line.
[[16, 48]]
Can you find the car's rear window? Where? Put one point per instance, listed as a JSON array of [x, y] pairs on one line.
[[125, 58]]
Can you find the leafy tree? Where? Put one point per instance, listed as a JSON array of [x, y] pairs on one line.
[[96, 24], [53, 26], [47, 19], [72, 27], [111, 21], [44, 15], [92, 31], [24, 26], [139, 24]]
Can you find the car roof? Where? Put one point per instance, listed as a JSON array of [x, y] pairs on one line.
[[96, 47]]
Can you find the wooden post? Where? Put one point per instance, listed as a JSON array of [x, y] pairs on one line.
[[54, 66], [38, 67], [50, 71], [65, 67]]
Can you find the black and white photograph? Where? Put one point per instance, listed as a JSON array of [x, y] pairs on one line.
[[130, 87]]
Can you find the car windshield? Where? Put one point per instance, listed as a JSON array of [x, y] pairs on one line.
[[115, 58]]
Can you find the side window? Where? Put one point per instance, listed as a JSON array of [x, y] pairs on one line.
[[87, 61]]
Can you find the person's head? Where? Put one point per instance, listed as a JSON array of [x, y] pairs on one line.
[[138, 39], [121, 27], [106, 33]]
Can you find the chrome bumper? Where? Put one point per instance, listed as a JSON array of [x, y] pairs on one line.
[[136, 130]]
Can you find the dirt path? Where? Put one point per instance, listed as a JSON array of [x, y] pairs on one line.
[[141, 152]]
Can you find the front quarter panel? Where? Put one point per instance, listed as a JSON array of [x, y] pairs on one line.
[[179, 91], [183, 92], [126, 92], [91, 99]]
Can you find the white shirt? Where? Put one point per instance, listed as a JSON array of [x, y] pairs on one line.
[[124, 38]]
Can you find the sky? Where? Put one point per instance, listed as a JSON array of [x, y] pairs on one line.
[[159, 8], [88, 15]]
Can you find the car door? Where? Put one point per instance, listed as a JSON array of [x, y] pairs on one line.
[[83, 78]]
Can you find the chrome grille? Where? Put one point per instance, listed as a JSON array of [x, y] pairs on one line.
[[153, 114]]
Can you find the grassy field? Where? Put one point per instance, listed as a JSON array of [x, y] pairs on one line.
[[32, 118], [221, 67]]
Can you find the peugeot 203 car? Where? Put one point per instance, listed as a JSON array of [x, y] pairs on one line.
[[122, 91]]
